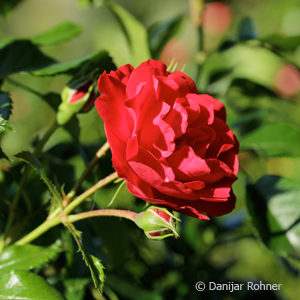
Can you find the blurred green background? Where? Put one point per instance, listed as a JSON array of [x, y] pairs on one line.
[[246, 78]]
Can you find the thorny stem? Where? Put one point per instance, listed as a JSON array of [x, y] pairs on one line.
[[126, 214], [62, 218], [58, 215]]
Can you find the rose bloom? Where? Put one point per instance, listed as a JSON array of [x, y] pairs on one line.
[[169, 143]]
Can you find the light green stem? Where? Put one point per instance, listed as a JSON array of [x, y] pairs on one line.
[[126, 214], [48, 224], [90, 191], [62, 218], [56, 216]]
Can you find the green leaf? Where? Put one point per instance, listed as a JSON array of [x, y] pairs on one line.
[[97, 273], [274, 139], [92, 262], [5, 105], [247, 61], [58, 34], [281, 42], [32, 160], [7, 5], [20, 56], [160, 33], [97, 61], [4, 126], [26, 257], [135, 32], [75, 288], [247, 30], [24, 285], [274, 206]]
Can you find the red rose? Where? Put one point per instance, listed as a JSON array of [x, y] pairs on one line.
[[169, 143]]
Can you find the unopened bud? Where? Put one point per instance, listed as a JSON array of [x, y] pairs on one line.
[[75, 98], [158, 223]]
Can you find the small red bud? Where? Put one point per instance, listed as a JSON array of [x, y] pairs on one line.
[[76, 98]]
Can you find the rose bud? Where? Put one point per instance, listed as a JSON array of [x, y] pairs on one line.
[[158, 223], [170, 144], [77, 97]]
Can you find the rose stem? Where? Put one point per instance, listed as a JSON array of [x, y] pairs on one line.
[[90, 191], [54, 218], [126, 214], [101, 152]]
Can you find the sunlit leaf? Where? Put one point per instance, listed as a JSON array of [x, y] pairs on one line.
[[274, 139], [26, 257], [24, 285], [134, 31], [275, 209], [98, 272], [4, 126], [60, 33], [242, 61]]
